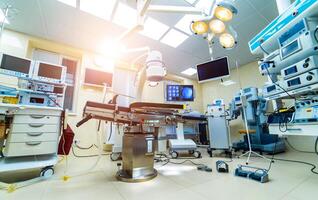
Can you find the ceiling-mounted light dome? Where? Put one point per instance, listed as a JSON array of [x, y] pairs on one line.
[[224, 11], [217, 26], [199, 27], [227, 40]]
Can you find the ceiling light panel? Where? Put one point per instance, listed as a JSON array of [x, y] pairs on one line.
[[174, 38], [189, 72], [69, 2], [102, 9], [154, 29], [185, 22], [205, 5], [125, 16], [191, 1]]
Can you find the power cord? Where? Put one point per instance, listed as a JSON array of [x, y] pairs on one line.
[[313, 167], [300, 151], [86, 156]]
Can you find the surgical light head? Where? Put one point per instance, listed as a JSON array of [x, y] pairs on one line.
[[155, 69], [225, 10]]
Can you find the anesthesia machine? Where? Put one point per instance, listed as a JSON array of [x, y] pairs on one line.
[[290, 47], [255, 108]]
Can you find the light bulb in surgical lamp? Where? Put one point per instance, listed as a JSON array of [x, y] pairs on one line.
[[227, 40], [199, 27], [217, 26], [223, 13]]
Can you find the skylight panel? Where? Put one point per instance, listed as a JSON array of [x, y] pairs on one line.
[[154, 29], [102, 9], [174, 38], [125, 16], [185, 22]]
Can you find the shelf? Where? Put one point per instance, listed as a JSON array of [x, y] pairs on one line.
[[307, 90]]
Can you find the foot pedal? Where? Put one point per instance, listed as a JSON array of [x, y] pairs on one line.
[[257, 174], [222, 167]]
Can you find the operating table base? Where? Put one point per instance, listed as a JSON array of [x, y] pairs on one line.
[[121, 175], [137, 156]]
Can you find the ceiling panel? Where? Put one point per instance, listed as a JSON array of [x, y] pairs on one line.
[[59, 22]]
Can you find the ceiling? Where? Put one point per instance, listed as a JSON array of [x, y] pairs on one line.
[[56, 21]]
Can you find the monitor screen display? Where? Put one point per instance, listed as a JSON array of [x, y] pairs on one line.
[[179, 93], [212, 70], [98, 77], [15, 64], [50, 71]]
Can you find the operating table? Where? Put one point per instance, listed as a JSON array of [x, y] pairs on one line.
[[142, 122]]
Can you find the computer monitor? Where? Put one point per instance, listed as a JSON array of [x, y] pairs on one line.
[[98, 77], [179, 93], [213, 70], [48, 72], [15, 66]]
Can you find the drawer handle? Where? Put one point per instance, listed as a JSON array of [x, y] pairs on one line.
[[33, 143], [37, 116], [36, 125], [34, 134]]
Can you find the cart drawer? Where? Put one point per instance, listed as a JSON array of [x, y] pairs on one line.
[[34, 127], [45, 119], [39, 111], [32, 137], [29, 148]]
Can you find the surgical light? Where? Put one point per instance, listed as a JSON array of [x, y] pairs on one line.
[[199, 27], [217, 26], [224, 11], [227, 40], [223, 14]]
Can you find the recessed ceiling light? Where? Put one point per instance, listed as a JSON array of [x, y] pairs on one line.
[[2, 17], [69, 2], [125, 16], [190, 1], [189, 72], [185, 22], [228, 82], [174, 38], [102, 9], [205, 6], [154, 29]]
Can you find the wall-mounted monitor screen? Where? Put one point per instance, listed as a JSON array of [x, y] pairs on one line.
[[213, 70], [15, 66], [179, 93], [98, 77], [48, 72]]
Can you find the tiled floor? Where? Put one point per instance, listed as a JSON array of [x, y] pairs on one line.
[[288, 181]]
